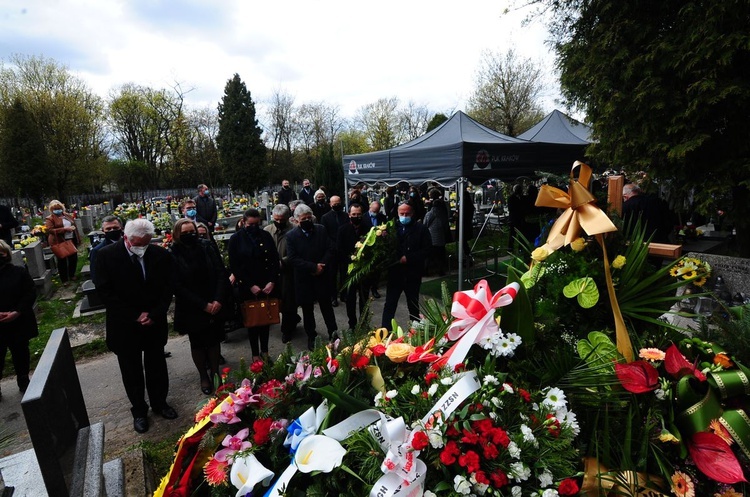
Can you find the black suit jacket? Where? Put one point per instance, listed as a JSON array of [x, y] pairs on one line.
[[8, 222], [307, 195], [304, 253], [119, 281], [206, 207]]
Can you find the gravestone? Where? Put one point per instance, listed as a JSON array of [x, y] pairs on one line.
[[68, 452], [734, 270], [35, 259], [87, 221], [91, 299], [16, 258]]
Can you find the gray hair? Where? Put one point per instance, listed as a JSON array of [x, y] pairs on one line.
[[139, 228], [281, 210], [294, 203], [301, 209]]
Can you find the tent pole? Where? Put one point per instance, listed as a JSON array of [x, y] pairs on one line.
[[460, 226]]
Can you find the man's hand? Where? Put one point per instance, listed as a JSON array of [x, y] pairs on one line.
[[7, 317], [144, 320], [255, 289], [319, 269], [403, 259], [268, 288]]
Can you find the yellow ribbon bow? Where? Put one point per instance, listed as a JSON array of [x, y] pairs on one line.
[[580, 213]]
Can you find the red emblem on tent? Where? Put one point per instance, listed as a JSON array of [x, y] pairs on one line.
[[482, 160]]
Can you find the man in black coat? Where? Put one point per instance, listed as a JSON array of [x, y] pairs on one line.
[[414, 245], [349, 235], [112, 229], [134, 279], [206, 207], [7, 223], [286, 194], [306, 193], [310, 252], [333, 220]]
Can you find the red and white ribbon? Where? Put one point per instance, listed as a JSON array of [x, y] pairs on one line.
[[474, 311]]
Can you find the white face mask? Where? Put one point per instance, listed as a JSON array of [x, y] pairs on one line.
[[139, 251]]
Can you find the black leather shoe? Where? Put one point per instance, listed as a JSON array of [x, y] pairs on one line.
[[140, 425], [375, 294], [286, 338], [167, 412]]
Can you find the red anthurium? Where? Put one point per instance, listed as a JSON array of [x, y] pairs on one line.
[[715, 458], [676, 364], [637, 376], [423, 353]]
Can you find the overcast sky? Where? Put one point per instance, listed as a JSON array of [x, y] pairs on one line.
[[343, 53]]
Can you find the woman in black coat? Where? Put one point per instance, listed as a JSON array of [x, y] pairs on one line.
[[201, 286], [17, 319], [254, 262]]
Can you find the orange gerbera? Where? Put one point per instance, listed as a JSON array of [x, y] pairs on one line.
[[216, 472], [651, 354], [682, 485], [717, 428], [722, 359], [729, 493], [207, 409]]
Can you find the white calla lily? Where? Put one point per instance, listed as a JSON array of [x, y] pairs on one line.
[[319, 453], [246, 472]]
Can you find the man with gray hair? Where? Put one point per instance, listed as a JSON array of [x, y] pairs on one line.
[[134, 279], [279, 230], [311, 252]]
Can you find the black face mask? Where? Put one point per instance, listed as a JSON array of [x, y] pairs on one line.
[[253, 229], [279, 226], [307, 224], [113, 235], [189, 238], [355, 220], [338, 207]]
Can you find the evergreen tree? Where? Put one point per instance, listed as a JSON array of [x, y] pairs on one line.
[[666, 86], [24, 168], [241, 149]]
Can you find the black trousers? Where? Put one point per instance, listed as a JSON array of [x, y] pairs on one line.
[[308, 317], [403, 281], [361, 292], [66, 268], [19, 351], [133, 365]]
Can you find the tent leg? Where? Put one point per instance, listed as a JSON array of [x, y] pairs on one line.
[[460, 224]]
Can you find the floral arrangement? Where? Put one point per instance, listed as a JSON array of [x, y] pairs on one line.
[[692, 270], [167, 241], [127, 212], [162, 221], [39, 230], [28, 240], [374, 254], [684, 404], [689, 231], [429, 411]]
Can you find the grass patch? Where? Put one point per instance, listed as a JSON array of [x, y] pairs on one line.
[[159, 455]]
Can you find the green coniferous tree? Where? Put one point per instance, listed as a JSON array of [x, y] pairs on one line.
[[242, 152]]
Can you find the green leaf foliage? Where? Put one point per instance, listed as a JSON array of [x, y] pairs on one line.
[[585, 291]]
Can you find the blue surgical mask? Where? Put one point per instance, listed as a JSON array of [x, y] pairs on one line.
[[191, 212], [206, 192], [404, 220], [57, 212]]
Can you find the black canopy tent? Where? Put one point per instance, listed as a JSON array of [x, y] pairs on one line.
[[457, 151], [557, 127]]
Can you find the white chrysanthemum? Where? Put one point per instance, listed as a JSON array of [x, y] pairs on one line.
[[528, 434], [555, 398], [415, 390], [486, 342], [545, 479], [660, 393], [515, 491], [504, 348], [569, 418], [514, 339], [378, 401], [391, 394], [448, 380], [436, 439], [507, 388], [433, 388], [550, 492], [514, 450], [520, 471], [427, 493], [461, 485], [497, 402], [490, 380]]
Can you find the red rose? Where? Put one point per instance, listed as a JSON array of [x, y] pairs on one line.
[[378, 350], [568, 487], [420, 440], [256, 367], [526, 396], [359, 361]]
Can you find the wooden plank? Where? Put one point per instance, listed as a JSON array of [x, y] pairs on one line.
[[665, 250], [614, 193]]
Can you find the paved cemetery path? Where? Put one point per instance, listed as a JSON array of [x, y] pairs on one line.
[[105, 396]]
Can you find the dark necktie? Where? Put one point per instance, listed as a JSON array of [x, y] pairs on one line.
[[139, 264]]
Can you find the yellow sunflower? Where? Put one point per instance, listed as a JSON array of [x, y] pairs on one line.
[[689, 274]]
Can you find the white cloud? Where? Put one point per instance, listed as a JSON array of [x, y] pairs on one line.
[[343, 53]]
